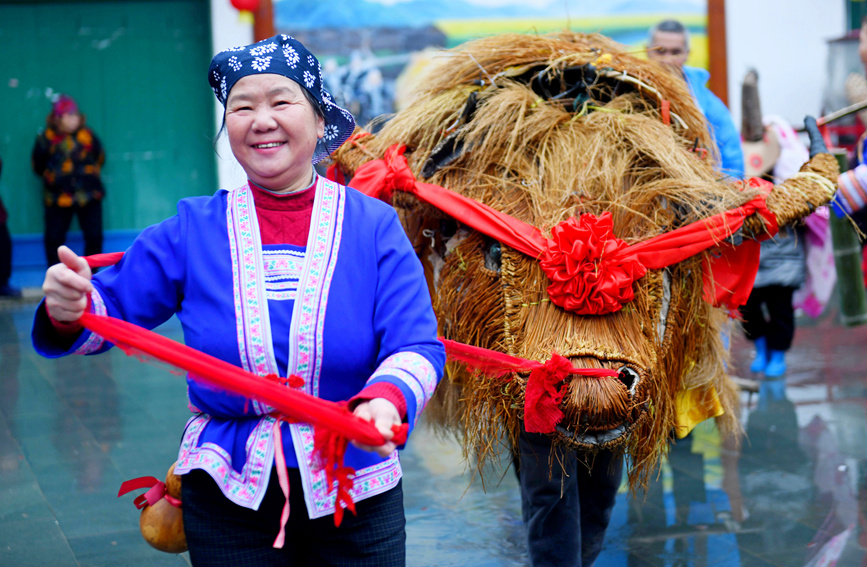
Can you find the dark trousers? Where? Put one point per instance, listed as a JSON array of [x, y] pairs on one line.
[[565, 530], [58, 220], [221, 533], [779, 328], [5, 255]]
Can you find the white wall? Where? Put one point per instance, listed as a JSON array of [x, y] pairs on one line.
[[227, 31], [785, 40]]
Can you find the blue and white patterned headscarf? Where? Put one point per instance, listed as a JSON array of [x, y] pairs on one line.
[[283, 55]]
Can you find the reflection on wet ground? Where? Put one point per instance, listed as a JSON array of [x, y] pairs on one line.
[[72, 430]]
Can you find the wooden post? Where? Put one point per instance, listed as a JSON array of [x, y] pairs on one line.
[[263, 21], [716, 45]]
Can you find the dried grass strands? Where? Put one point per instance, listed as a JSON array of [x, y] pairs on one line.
[[469, 309], [799, 195], [469, 302], [619, 336], [550, 167], [496, 58], [542, 162], [437, 108], [589, 341], [597, 403]]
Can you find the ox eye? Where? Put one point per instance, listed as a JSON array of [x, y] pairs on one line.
[[494, 257], [628, 376], [448, 227]]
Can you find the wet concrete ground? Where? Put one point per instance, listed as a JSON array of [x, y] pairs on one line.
[[795, 493]]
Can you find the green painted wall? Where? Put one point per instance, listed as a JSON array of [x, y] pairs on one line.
[[138, 70], [856, 10]]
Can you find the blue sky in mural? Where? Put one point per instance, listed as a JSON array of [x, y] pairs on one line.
[[307, 14]]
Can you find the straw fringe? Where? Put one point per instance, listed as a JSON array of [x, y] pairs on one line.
[[543, 161]]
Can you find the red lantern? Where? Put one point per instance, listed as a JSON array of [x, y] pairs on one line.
[[245, 5]]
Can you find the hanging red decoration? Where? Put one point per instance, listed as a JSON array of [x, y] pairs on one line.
[[246, 5]]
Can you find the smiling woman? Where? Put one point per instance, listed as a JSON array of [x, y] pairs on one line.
[[287, 275], [273, 131]]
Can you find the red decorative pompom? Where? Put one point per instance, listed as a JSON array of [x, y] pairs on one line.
[[248, 5], [588, 274]]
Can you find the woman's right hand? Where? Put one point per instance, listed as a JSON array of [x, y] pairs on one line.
[[66, 286]]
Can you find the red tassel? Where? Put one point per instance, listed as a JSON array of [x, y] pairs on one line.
[[545, 389], [330, 449]]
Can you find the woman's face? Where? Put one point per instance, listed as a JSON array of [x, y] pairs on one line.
[[273, 131], [69, 122]]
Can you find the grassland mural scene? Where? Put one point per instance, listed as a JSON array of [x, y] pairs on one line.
[[373, 50]]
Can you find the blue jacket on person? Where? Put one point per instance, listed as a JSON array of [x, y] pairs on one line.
[[722, 128]]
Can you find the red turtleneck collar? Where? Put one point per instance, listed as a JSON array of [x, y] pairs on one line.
[[284, 218]]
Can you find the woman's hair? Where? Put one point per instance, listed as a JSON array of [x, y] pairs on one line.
[[317, 108]]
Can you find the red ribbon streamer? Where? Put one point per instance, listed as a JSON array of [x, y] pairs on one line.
[[379, 178], [155, 494], [546, 384], [335, 418], [588, 278], [103, 260], [202, 367]]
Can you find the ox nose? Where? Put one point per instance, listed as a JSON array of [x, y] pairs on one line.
[[628, 376]]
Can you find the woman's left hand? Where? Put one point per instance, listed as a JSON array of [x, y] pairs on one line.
[[384, 415]]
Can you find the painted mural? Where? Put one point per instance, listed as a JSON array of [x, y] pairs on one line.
[[372, 50]]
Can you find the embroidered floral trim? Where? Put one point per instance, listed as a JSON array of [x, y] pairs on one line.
[[289, 295], [282, 273], [289, 261], [331, 264], [248, 275], [369, 481], [308, 321], [246, 488], [308, 316], [94, 342], [261, 275], [415, 371]]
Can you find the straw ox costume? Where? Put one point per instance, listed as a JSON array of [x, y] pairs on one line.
[[575, 231]]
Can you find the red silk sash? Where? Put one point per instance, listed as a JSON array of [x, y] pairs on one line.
[[591, 271], [333, 423], [298, 405], [546, 384]]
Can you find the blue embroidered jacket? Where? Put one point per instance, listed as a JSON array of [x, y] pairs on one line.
[[351, 308]]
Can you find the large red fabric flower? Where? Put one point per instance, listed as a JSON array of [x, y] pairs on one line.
[[589, 273]]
